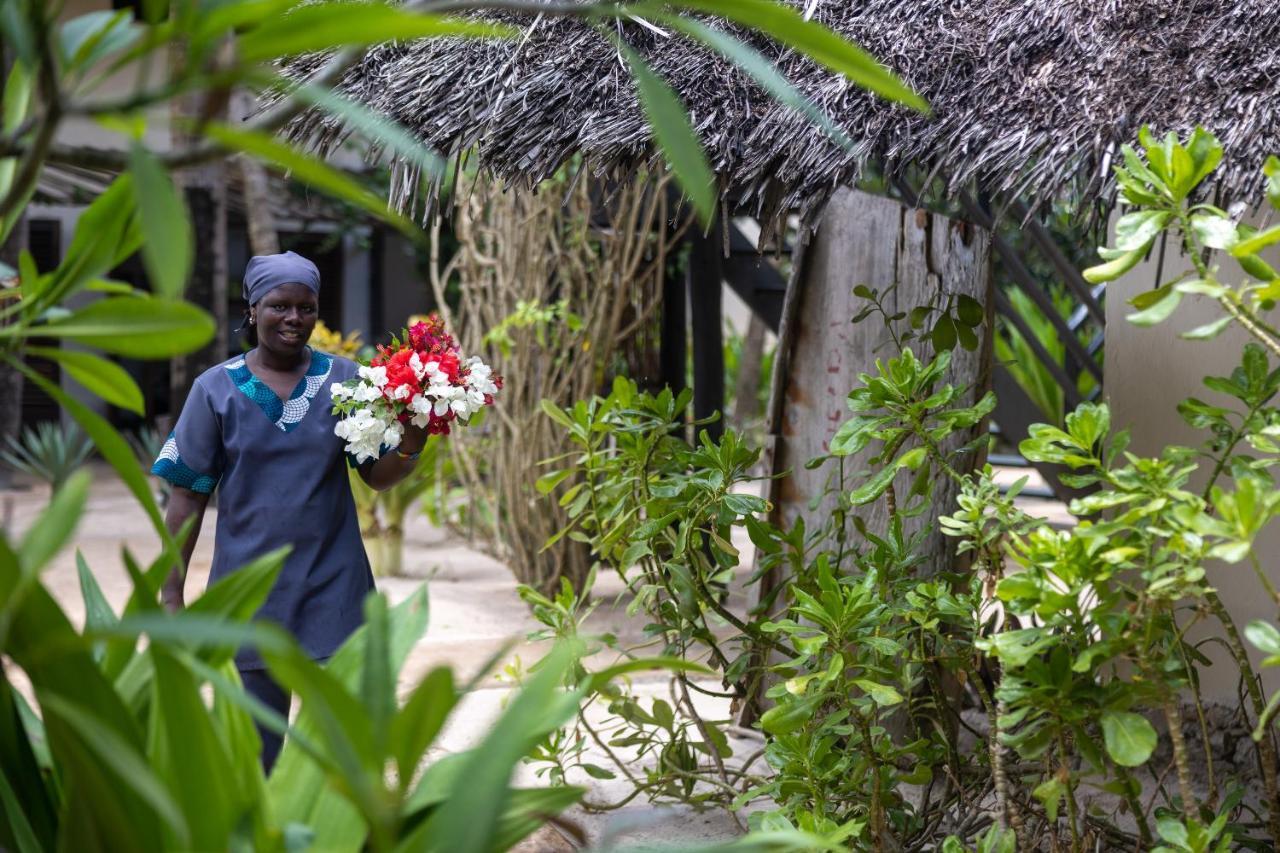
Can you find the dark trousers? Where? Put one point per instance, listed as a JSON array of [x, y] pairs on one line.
[[259, 684]]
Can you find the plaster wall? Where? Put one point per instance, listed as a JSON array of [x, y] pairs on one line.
[[1148, 372]]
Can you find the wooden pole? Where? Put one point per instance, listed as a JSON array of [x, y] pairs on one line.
[[706, 276]]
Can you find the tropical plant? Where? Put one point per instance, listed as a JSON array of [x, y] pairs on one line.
[[120, 749], [49, 451], [125, 753], [1068, 641]]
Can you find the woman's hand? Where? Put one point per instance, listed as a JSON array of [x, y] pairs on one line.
[[396, 464], [413, 439]]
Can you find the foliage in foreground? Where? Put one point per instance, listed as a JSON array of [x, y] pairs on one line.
[[121, 750], [127, 754], [1068, 642]]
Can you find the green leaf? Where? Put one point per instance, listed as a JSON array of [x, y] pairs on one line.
[[420, 720], [17, 99], [323, 26], [1160, 308], [787, 717], [309, 170], [547, 483], [377, 682], [1271, 168], [759, 67], [1135, 231], [1129, 738], [107, 233], [1174, 831], [815, 41], [1257, 242], [943, 335], [674, 135], [599, 680], [132, 326], [129, 767], [854, 434], [54, 526], [466, 821], [191, 757], [970, 311], [597, 772], [1214, 231], [24, 836], [1050, 793], [882, 694], [874, 487], [1264, 636], [167, 252], [1115, 267], [390, 134], [97, 610], [88, 38], [108, 442], [1208, 330], [104, 378]]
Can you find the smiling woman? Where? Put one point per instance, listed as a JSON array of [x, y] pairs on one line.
[[257, 428]]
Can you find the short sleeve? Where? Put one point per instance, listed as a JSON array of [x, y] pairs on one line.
[[192, 456]]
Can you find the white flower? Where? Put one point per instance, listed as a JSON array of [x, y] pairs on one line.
[[419, 369], [402, 392], [391, 435], [338, 391], [376, 375], [432, 368]]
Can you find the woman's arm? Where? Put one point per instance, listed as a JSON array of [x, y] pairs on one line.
[[393, 467], [183, 504]]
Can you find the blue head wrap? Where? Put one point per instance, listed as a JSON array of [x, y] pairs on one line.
[[267, 272]]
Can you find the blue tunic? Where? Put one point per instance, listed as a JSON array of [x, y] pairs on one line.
[[281, 475]]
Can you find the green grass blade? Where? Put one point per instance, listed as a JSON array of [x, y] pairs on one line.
[[674, 134], [814, 40]]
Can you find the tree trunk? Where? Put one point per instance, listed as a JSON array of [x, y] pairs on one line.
[[865, 239], [263, 238], [256, 190], [205, 191]]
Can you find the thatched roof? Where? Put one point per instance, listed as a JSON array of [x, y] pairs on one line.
[[1026, 95]]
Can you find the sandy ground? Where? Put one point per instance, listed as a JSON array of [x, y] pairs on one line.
[[475, 615]]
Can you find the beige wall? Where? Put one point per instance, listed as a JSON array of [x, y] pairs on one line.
[[1148, 372], [77, 130]]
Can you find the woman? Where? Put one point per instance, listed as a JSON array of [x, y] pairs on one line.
[[260, 428]]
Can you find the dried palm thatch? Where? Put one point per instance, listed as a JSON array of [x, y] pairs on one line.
[[553, 301], [1026, 94]]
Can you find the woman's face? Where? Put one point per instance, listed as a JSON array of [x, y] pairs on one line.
[[286, 316]]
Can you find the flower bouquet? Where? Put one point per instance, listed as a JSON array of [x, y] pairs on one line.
[[424, 381]]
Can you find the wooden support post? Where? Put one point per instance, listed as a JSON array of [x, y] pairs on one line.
[[705, 275]]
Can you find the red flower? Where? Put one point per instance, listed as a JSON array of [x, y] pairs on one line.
[[449, 365], [399, 373]]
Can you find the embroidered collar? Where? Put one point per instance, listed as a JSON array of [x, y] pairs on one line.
[[288, 414]]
